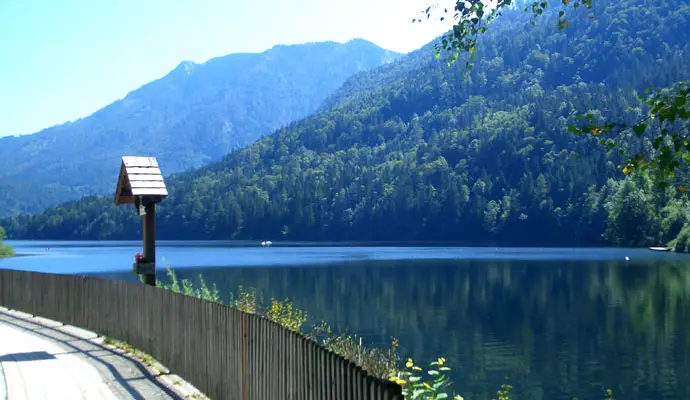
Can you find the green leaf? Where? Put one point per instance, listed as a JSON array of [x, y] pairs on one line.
[[677, 143], [640, 128], [439, 384], [680, 101], [442, 396]]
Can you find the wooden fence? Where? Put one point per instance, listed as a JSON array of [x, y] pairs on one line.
[[224, 352]]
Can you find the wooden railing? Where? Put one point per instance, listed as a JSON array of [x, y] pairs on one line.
[[224, 352]]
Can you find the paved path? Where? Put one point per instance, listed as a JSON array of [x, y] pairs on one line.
[[42, 359]]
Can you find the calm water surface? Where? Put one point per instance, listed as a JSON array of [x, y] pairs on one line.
[[554, 323]]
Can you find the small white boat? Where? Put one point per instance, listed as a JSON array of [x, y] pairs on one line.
[[660, 248], [267, 243]]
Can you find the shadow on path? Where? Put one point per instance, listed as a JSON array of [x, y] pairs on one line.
[[85, 348], [28, 356]]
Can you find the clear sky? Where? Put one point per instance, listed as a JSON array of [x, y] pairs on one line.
[[62, 60]]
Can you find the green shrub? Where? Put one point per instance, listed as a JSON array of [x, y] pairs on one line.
[[5, 250], [417, 386], [284, 313], [187, 288], [378, 361], [382, 362], [503, 393], [681, 243]]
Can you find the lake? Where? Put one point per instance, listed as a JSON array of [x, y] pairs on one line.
[[554, 323]]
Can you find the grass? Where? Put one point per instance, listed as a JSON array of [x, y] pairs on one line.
[[126, 348], [147, 360]]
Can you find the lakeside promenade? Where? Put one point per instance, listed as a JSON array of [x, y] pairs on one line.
[[44, 359]]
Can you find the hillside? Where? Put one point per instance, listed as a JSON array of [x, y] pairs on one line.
[[194, 115], [423, 155]]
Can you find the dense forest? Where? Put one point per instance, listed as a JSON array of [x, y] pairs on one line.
[[195, 114], [412, 151]]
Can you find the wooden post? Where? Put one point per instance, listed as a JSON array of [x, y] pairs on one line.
[[149, 232], [141, 184]]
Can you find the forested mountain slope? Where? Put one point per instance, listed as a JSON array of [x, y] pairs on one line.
[[195, 114], [413, 152]]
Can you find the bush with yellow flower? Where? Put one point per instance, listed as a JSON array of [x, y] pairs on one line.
[[432, 386]]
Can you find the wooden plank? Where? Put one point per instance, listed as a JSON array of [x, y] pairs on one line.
[[124, 197], [126, 190], [140, 178], [147, 184], [131, 161], [120, 182], [143, 170], [120, 179], [149, 192]]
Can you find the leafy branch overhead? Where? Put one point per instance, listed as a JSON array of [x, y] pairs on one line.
[[665, 126], [474, 17]]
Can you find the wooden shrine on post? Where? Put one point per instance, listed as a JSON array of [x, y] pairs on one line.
[[141, 184]]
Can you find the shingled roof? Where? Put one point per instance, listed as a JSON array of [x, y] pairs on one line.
[[139, 176]]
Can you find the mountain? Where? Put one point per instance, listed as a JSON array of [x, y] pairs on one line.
[[194, 115], [411, 151]]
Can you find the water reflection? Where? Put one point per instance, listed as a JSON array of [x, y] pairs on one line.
[[557, 330]]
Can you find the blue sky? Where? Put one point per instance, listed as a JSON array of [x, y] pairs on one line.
[[62, 60]]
